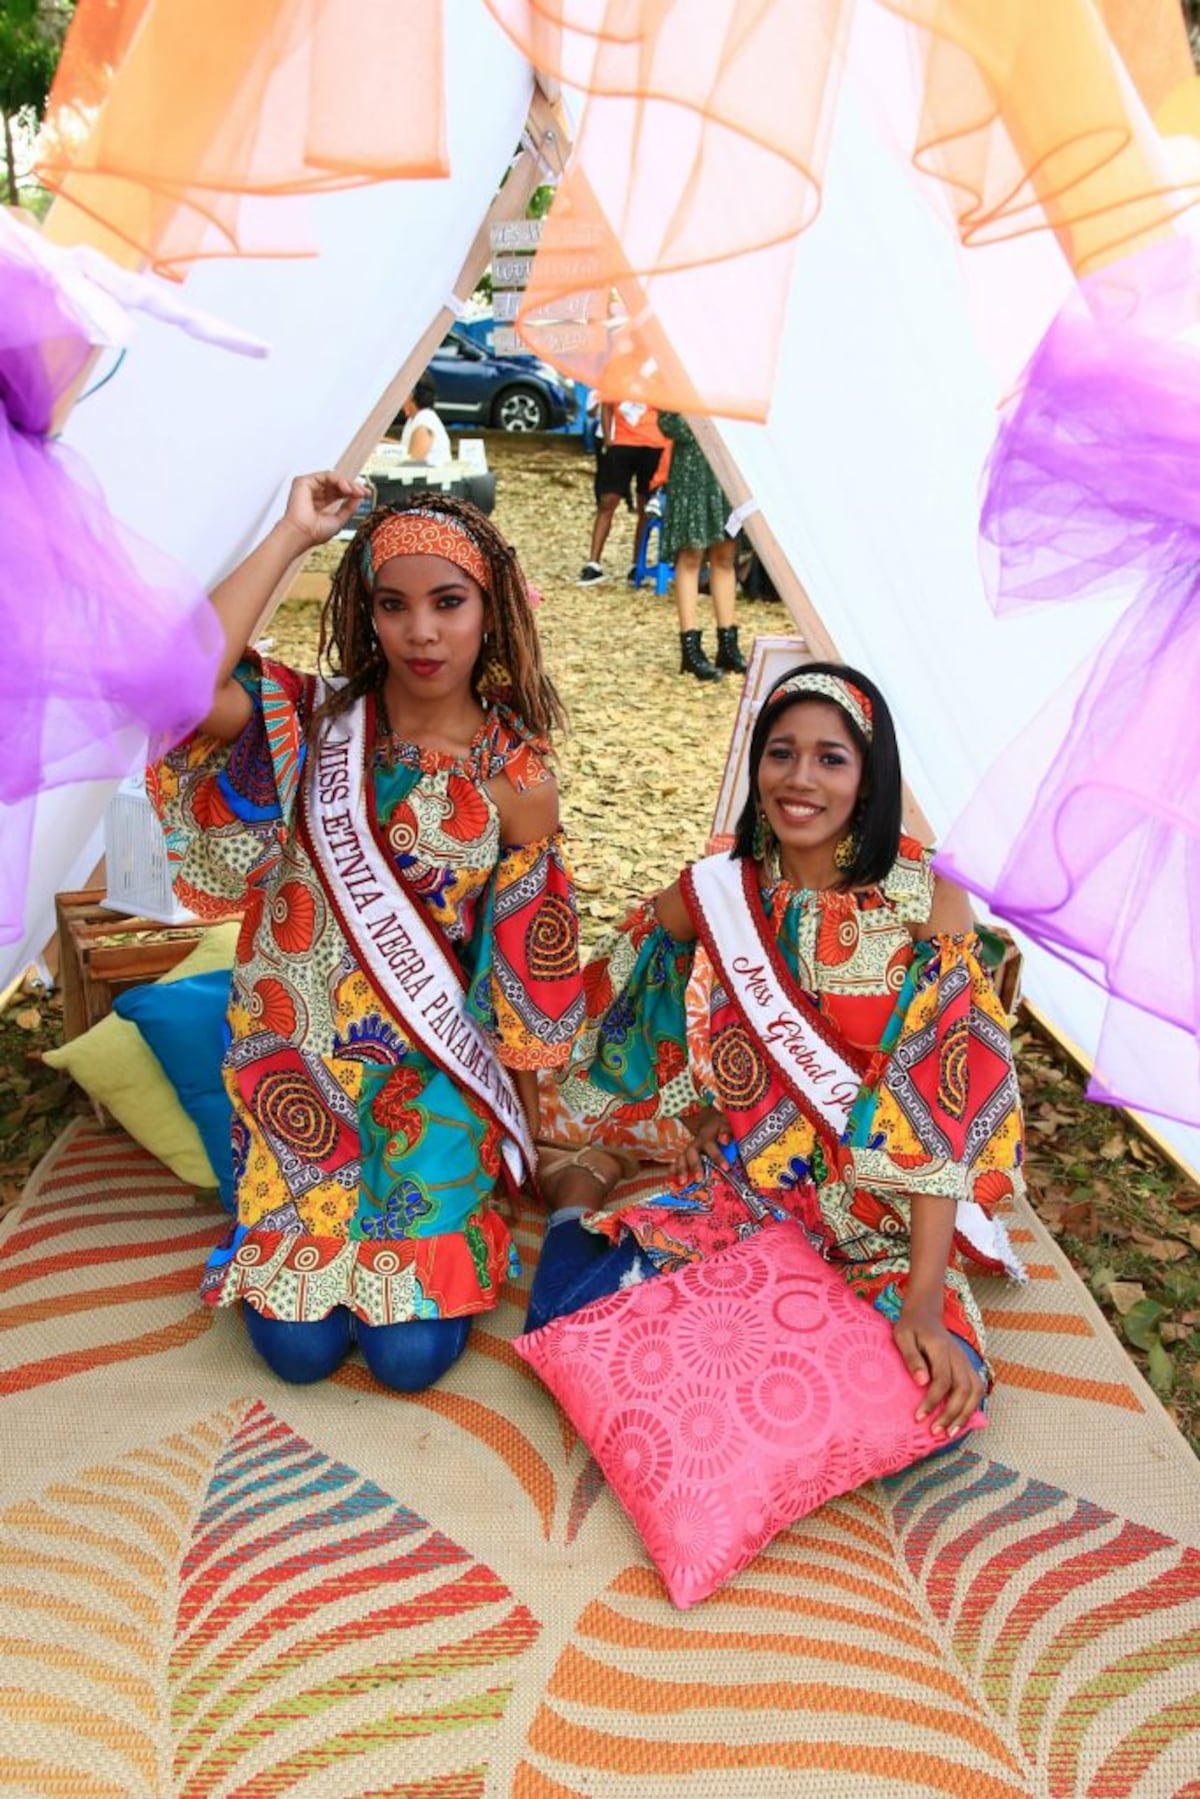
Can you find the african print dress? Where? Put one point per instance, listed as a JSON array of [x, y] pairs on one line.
[[696, 506], [365, 1165], [937, 1110]]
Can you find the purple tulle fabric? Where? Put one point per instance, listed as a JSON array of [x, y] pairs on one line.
[[1086, 833], [106, 642]]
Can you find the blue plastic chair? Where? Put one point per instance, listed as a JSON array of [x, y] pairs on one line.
[[643, 567]]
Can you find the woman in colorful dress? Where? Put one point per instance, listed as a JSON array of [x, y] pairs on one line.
[[694, 526], [408, 958], [814, 1005]]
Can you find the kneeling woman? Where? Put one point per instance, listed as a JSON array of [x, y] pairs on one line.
[[408, 958], [815, 1005]]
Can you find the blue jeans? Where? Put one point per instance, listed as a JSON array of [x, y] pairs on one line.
[[405, 1357], [576, 1267]]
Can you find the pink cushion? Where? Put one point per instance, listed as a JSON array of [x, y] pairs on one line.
[[727, 1400]]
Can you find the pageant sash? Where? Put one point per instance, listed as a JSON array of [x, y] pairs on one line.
[[399, 950], [802, 1049], [722, 897]]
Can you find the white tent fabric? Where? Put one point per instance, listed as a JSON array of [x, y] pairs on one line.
[[194, 448], [897, 350], [869, 470]]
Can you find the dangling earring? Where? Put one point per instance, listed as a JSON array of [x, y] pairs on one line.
[[493, 679], [845, 854], [765, 847]]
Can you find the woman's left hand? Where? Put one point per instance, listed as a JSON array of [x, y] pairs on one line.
[[710, 1131], [938, 1362]]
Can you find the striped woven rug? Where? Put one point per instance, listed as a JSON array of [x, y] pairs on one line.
[[217, 1585]]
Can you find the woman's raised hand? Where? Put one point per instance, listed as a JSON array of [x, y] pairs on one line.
[[319, 505]]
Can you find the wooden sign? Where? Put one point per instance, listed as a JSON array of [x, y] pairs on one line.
[[516, 234]]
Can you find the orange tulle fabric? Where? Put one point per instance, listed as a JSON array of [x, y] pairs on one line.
[[185, 130], [188, 131], [703, 145]]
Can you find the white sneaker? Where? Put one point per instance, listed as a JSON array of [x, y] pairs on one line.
[[590, 573]]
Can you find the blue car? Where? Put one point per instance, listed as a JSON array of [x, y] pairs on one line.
[[508, 393]]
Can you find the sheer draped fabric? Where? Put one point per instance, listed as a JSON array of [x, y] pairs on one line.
[[181, 131], [106, 641], [663, 276], [703, 145], [1086, 832], [699, 158]]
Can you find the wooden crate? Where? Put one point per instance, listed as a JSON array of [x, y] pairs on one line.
[[101, 953]]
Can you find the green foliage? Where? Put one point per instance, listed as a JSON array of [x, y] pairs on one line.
[[28, 58], [1128, 1221], [1141, 1323], [31, 40]]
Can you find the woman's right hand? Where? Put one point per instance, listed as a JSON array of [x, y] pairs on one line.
[[707, 1136], [319, 505]]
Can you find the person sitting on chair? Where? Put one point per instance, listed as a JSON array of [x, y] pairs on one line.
[[424, 438]]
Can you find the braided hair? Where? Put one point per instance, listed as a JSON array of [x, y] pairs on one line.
[[350, 647]]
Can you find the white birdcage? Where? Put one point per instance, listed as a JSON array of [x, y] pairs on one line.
[[135, 858]]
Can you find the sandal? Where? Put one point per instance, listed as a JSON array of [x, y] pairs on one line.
[[556, 1158]]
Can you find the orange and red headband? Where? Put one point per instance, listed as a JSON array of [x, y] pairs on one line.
[[421, 531]]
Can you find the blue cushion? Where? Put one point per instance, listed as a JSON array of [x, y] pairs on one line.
[[183, 1023]]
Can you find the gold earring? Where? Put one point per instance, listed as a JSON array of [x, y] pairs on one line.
[[764, 847], [845, 854], [494, 678]]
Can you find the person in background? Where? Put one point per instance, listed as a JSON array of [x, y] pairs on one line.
[[631, 445], [695, 526], [424, 438]]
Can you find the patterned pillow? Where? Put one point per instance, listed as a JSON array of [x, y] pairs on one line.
[[727, 1400]]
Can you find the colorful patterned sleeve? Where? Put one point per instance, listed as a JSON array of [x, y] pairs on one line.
[[630, 1062], [537, 989], [945, 1115], [526, 767], [226, 808]]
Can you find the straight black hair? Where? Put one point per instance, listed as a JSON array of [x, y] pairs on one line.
[[876, 823], [425, 393]]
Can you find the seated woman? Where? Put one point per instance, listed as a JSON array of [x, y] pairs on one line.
[[424, 438], [408, 958], [814, 1004]]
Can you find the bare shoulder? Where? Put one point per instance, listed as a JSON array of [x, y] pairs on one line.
[[950, 913], [673, 914], [527, 815]]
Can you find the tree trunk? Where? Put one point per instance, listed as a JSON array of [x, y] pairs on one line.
[[10, 160]]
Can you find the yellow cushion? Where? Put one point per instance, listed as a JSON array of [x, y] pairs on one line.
[[113, 1065]]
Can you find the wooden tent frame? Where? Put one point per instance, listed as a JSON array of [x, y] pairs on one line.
[[546, 145]]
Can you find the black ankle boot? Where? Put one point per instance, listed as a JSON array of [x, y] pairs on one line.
[[693, 661], [728, 654]]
